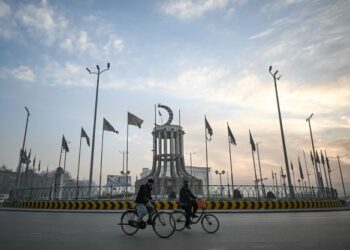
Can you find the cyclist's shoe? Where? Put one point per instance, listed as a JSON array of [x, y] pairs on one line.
[[133, 223], [194, 216], [188, 227], [149, 222]]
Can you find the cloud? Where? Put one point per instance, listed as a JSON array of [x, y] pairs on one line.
[[5, 9], [262, 34], [66, 74], [275, 6], [114, 44], [188, 9], [24, 73], [313, 38], [41, 21]]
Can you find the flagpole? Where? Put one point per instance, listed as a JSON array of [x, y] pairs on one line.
[[79, 161], [155, 151], [127, 154], [47, 171], [229, 149], [256, 177], [329, 174], [59, 162], [206, 155], [315, 171], [276, 184], [99, 189], [307, 171], [320, 175], [261, 179], [64, 171], [341, 175], [281, 173], [26, 175], [293, 175], [64, 164], [325, 174]]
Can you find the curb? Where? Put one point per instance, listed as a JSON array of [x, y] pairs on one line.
[[238, 211], [170, 205]]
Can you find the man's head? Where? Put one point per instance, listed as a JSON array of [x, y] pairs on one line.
[[150, 182], [185, 183]]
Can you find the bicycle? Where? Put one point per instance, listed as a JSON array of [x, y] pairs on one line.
[[163, 223], [209, 222]]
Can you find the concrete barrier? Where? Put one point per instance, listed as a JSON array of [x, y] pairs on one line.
[[217, 205]]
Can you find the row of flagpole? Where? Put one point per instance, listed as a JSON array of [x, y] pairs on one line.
[[254, 147], [107, 126]]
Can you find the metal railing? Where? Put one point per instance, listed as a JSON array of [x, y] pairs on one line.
[[216, 192]]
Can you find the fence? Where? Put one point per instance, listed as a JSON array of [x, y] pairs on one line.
[[216, 192]]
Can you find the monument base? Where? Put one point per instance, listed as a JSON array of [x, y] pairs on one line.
[[169, 188]]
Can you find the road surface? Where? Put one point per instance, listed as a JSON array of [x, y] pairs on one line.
[[48, 230]]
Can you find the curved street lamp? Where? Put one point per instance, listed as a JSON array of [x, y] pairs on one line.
[[275, 78], [220, 173], [98, 73]]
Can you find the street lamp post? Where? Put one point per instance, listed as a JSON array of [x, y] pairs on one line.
[[98, 73], [125, 172], [275, 78], [220, 173], [341, 173], [190, 154], [19, 166], [319, 178]]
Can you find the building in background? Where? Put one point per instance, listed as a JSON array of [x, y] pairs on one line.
[[118, 180], [7, 180]]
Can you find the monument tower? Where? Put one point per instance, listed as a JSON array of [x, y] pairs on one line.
[[168, 168]]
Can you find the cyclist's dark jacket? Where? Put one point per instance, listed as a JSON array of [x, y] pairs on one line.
[[186, 196], [144, 194]]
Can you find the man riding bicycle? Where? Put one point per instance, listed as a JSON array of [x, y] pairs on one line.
[[188, 202], [144, 202]]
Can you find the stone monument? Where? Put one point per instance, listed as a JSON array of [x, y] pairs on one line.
[[168, 168]]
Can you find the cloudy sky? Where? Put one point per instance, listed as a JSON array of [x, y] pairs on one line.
[[208, 57]]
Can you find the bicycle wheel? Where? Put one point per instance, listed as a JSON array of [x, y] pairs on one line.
[[128, 224], [180, 220], [210, 223], [164, 224]]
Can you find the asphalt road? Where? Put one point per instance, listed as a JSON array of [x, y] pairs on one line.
[[48, 230]]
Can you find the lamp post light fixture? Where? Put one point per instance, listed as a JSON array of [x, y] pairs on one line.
[[275, 78], [98, 73], [190, 154], [220, 173]]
